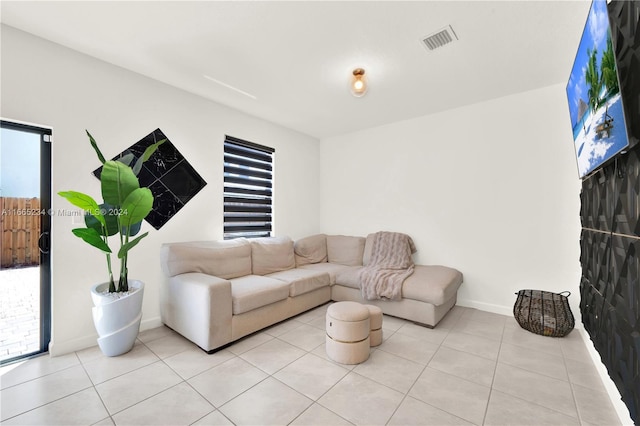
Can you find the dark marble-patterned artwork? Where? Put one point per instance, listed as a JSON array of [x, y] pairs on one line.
[[169, 176], [165, 205], [183, 181]]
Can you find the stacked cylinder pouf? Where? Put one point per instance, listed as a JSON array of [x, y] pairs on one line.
[[348, 328], [375, 321]]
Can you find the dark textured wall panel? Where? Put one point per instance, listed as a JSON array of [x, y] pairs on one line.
[[597, 199], [595, 258], [610, 210], [591, 303], [627, 193], [620, 355], [624, 289], [610, 286]]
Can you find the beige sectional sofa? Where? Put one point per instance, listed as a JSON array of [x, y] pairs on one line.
[[218, 292]]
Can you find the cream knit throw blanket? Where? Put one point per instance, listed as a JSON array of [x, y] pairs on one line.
[[389, 265]]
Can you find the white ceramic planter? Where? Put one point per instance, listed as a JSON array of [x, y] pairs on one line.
[[117, 321]]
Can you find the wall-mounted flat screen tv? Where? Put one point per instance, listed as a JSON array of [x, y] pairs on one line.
[[593, 92]]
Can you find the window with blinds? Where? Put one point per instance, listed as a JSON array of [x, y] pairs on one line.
[[248, 189]]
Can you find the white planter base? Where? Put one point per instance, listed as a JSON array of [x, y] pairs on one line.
[[117, 321]]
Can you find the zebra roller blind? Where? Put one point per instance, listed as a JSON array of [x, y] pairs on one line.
[[248, 189]]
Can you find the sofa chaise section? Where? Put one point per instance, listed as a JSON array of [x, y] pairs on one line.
[[427, 294]]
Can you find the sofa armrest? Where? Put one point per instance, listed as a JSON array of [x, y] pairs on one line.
[[198, 306]]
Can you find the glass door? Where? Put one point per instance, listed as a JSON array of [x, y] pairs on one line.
[[25, 223]]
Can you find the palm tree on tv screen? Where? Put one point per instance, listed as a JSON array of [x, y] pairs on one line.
[[608, 65], [593, 79]]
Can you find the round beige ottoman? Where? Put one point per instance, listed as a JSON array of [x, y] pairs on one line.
[[375, 320], [347, 325]]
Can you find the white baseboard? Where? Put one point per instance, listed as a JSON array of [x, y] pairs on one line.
[[62, 348], [58, 348], [498, 309], [612, 390], [487, 307], [150, 323]]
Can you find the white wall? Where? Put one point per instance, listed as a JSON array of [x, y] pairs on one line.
[[50, 85], [491, 189]]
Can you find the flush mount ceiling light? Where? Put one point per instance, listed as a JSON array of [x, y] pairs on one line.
[[358, 84]]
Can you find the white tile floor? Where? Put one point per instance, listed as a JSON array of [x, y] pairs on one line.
[[474, 368]]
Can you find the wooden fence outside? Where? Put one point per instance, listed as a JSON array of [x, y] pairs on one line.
[[20, 227]]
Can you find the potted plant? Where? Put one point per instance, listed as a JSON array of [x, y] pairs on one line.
[[118, 308]]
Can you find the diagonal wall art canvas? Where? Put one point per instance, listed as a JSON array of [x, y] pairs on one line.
[[169, 176]]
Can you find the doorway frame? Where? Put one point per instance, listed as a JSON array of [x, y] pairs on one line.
[[44, 240]]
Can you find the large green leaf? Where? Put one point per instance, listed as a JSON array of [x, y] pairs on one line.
[[118, 181], [136, 207], [110, 217], [146, 155], [131, 244], [92, 237], [94, 144], [85, 202]]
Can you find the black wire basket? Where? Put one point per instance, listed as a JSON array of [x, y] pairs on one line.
[[544, 312]]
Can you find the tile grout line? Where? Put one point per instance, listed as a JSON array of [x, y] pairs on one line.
[[47, 403], [573, 394], [493, 378], [462, 378], [158, 360], [349, 371], [406, 394], [427, 366], [39, 377], [93, 385], [54, 400], [440, 345], [578, 417], [186, 381], [268, 375]]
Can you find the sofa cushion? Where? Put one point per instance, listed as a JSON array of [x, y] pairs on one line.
[[434, 284], [345, 250], [302, 281], [223, 259], [253, 291], [349, 277], [272, 254], [311, 249], [331, 268]]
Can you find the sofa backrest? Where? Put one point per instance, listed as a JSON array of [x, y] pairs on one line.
[[312, 249], [340, 249], [368, 247], [225, 259], [345, 250], [272, 254]]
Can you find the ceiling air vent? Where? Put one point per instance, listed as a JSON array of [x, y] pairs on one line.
[[440, 38]]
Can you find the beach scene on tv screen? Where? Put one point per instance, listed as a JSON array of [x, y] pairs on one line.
[[593, 91]]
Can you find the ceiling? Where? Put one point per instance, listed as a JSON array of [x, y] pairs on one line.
[[294, 57]]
